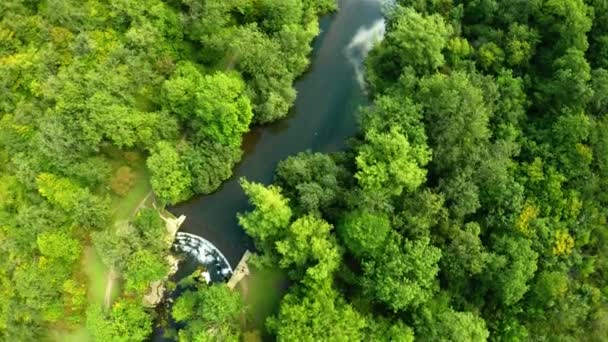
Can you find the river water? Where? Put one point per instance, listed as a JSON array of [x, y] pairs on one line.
[[322, 119]]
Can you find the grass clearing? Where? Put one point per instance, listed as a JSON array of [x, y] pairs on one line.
[[124, 206], [262, 292], [96, 271], [97, 274], [79, 335]]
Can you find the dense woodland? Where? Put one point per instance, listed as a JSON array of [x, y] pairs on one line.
[[99, 95], [473, 204]]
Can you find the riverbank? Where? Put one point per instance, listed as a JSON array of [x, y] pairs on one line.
[[262, 291], [322, 119], [104, 284]]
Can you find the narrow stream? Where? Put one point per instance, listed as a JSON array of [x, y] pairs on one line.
[[322, 118]]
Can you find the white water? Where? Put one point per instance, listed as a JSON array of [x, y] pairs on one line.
[[362, 43], [204, 251]]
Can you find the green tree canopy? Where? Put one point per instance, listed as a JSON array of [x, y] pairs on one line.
[[144, 267], [308, 245], [404, 274], [389, 164], [170, 178], [364, 233], [412, 40], [125, 321], [271, 214], [320, 315], [214, 106], [210, 313]]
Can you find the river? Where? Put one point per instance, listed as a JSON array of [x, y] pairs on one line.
[[322, 119]]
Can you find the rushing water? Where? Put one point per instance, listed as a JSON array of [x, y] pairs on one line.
[[322, 118], [205, 253]]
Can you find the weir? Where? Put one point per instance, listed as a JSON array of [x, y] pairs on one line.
[[322, 119], [205, 253]]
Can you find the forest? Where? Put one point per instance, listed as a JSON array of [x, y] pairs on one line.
[[471, 206], [104, 102]]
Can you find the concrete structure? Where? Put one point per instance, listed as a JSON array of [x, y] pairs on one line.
[[241, 271]]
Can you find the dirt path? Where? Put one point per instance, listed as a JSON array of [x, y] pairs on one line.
[[141, 204], [113, 275], [107, 298]]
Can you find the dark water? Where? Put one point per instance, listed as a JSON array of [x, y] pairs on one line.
[[322, 119]]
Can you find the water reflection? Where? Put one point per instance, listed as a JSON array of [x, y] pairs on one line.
[[322, 118], [361, 44]]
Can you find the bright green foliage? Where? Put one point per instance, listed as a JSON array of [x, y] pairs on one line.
[[572, 133], [150, 226], [569, 87], [385, 330], [464, 257], [395, 111], [491, 56], [403, 274], [308, 245], [11, 193], [414, 40], [419, 39], [214, 106], [211, 313], [510, 108], [550, 288], [271, 214], [113, 251], [60, 191], [321, 315], [521, 44], [455, 116], [84, 207], [567, 22], [446, 325], [389, 164], [59, 245], [276, 13], [501, 235], [259, 56], [364, 233], [458, 49], [170, 178], [146, 236], [144, 267], [512, 269], [421, 211], [84, 85], [125, 321]]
